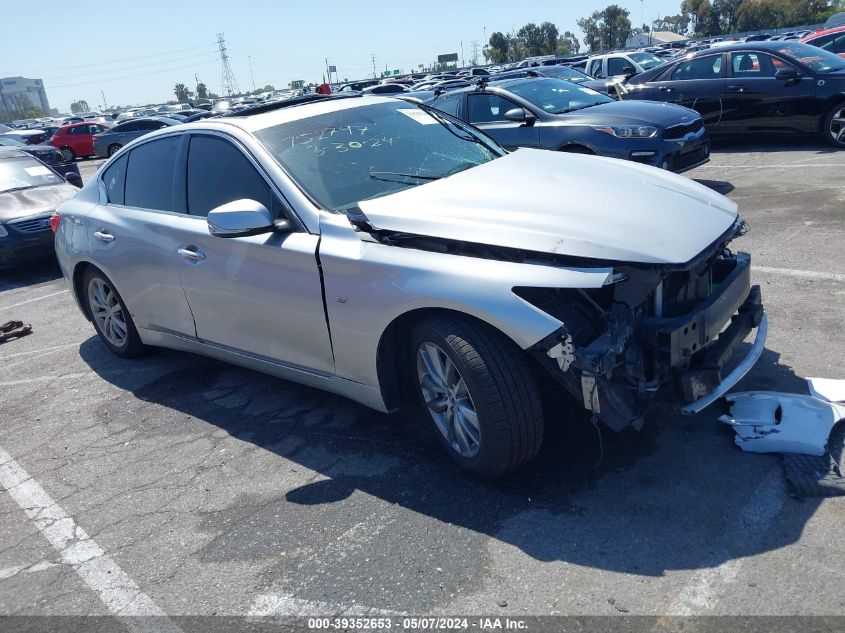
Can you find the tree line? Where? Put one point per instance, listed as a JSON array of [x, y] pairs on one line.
[[611, 27]]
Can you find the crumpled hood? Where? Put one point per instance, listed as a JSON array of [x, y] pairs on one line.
[[21, 204], [569, 204]]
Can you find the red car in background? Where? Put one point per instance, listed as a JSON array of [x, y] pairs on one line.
[[76, 140], [832, 40]]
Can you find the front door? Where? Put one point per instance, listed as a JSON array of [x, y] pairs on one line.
[[260, 294], [756, 101], [487, 112]]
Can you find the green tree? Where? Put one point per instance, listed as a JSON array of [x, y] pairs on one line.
[[756, 15], [568, 44], [726, 10], [497, 48], [550, 36], [79, 106], [531, 38], [609, 28], [182, 93], [202, 91], [703, 19], [675, 23]]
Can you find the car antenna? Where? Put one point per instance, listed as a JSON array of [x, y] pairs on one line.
[[481, 83]]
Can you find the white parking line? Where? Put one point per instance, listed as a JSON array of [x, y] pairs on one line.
[[804, 274], [23, 303], [286, 605], [702, 592], [79, 551]]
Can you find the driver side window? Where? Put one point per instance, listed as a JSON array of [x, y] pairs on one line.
[[488, 108]]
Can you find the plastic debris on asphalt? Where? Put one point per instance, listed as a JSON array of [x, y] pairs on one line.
[[775, 422], [14, 329]]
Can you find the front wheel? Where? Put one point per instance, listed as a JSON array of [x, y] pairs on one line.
[[68, 155], [478, 390], [113, 149], [111, 319], [834, 126]]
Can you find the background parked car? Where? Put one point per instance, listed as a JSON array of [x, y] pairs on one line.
[[621, 64], [45, 153], [110, 141], [566, 73], [559, 115], [30, 192], [755, 88], [385, 89], [831, 40], [77, 140], [28, 137]]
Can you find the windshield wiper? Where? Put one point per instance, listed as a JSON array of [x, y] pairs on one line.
[[453, 127], [18, 188], [565, 110], [383, 175]]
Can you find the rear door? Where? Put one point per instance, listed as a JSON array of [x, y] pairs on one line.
[[756, 101], [131, 235], [697, 83], [260, 294], [486, 111]]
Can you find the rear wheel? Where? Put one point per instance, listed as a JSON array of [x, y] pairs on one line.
[[478, 390], [68, 155], [834, 126], [112, 150], [111, 319]]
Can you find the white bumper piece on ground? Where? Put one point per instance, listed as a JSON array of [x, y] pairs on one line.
[[774, 422]]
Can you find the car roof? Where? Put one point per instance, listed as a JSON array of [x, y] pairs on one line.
[[815, 34], [13, 152], [269, 115]]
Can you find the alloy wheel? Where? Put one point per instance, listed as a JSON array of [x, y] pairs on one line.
[[448, 400], [67, 154], [107, 312], [837, 126]]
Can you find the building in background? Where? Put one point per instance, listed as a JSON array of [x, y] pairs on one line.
[[655, 38], [17, 93]]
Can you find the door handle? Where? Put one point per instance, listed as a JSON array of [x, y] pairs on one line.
[[104, 236], [736, 88], [191, 255], [663, 88]]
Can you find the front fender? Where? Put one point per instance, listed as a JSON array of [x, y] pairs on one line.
[[369, 284]]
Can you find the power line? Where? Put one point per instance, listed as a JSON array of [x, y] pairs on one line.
[[132, 76], [102, 63], [146, 65]]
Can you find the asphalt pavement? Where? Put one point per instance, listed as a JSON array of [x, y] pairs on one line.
[[178, 485]]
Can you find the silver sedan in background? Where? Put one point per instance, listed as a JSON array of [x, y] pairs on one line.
[[108, 142]]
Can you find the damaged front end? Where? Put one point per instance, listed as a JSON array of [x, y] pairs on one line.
[[654, 329]]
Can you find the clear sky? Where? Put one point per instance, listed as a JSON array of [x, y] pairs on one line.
[[135, 52]]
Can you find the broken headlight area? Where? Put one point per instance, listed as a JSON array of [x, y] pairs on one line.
[[652, 332]]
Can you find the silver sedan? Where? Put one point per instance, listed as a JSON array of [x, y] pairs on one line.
[[387, 252]]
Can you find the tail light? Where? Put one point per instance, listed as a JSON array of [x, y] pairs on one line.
[[55, 220]]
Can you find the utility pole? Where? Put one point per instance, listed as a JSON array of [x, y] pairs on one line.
[[249, 59], [463, 62], [104, 98], [474, 60], [374, 65], [328, 74]]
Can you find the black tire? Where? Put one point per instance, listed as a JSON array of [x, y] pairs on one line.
[[838, 112], [113, 149], [68, 155], [132, 346], [501, 387]]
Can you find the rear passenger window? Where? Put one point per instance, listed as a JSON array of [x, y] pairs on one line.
[[114, 178], [709, 67], [218, 172], [150, 174]]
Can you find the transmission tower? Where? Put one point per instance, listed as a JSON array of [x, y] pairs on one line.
[[229, 84]]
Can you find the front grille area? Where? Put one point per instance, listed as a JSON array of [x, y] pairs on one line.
[[680, 131], [32, 225]]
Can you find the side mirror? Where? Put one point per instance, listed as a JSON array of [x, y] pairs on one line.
[[787, 74], [240, 218], [74, 179], [518, 115]]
